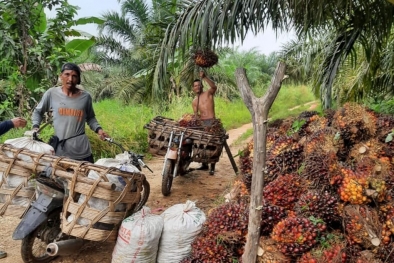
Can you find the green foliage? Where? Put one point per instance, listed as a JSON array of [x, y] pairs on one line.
[[382, 106], [291, 96], [33, 48]]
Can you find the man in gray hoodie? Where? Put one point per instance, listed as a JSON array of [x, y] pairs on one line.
[[72, 108]]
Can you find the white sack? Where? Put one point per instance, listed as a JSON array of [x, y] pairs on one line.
[[138, 238], [14, 180], [182, 223], [100, 204]]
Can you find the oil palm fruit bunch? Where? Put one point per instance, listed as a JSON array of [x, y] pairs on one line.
[[305, 118], [284, 191], [333, 254], [297, 235], [377, 189], [353, 187], [362, 226], [386, 213], [355, 122], [270, 217], [205, 58], [189, 120], [319, 204], [285, 156], [385, 125], [229, 217], [318, 168], [215, 128], [269, 253], [207, 249]]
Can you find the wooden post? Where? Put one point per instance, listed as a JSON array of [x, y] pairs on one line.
[[259, 108]]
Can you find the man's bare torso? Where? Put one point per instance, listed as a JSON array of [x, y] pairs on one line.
[[206, 105]]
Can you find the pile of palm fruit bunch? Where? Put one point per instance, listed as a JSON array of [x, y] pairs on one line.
[[192, 121], [327, 195]]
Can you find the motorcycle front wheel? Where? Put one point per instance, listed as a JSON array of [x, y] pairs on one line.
[[166, 182], [145, 191], [33, 249]]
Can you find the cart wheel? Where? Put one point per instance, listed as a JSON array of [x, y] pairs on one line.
[[167, 177]]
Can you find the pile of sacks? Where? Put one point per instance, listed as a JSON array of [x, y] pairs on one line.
[[145, 237]]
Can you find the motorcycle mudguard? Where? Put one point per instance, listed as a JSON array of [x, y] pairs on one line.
[[36, 215], [171, 154]]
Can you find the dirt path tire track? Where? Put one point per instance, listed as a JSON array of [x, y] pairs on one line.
[[207, 191]]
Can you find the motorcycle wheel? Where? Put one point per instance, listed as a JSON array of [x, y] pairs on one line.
[[33, 249], [144, 196], [166, 182], [184, 166]]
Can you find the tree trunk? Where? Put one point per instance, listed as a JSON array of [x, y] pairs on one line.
[[259, 108]]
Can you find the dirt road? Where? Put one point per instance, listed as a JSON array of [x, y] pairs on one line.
[[207, 191]]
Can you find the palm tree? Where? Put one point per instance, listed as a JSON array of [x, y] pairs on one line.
[[209, 23], [132, 40]]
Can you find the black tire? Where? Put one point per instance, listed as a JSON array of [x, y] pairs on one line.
[[33, 249], [184, 166], [145, 191], [166, 182]]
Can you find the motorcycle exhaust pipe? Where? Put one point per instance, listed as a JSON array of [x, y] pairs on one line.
[[64, 247]]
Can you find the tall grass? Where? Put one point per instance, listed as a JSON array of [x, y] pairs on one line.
[[125, 123]]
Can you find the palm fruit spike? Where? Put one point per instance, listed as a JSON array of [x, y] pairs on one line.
[[319, 205], [362, 226], [270, 217], [285, 156], [355, 123], [205, 58], [269, 253], [232, 216], [353, 187], [284, 191], [297, 235]]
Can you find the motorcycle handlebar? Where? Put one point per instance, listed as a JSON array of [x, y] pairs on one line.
[[138, 157]]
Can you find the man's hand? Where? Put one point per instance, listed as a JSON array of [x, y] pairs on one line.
[[202, 74], [19, 122], [102, 134]]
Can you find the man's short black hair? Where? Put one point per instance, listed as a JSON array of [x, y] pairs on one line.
[[74, 67], [197, 80]]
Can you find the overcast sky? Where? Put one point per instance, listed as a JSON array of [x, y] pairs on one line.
[[265, 42]]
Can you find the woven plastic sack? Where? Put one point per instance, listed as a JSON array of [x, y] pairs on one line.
[[119, 162], [15, 180], [138, 238], [182, 223], [30, 144]]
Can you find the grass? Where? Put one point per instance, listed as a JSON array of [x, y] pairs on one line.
[[125, 123]]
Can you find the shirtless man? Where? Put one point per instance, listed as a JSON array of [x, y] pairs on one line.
[[204, 107]]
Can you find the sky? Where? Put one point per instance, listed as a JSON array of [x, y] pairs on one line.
[[265, 42]]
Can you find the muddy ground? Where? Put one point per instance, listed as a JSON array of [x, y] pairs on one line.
[[207, 191]]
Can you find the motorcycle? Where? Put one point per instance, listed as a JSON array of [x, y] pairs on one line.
[[39, 229], [177, 159]]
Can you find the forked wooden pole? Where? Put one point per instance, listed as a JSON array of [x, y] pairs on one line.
[[259, 108]]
